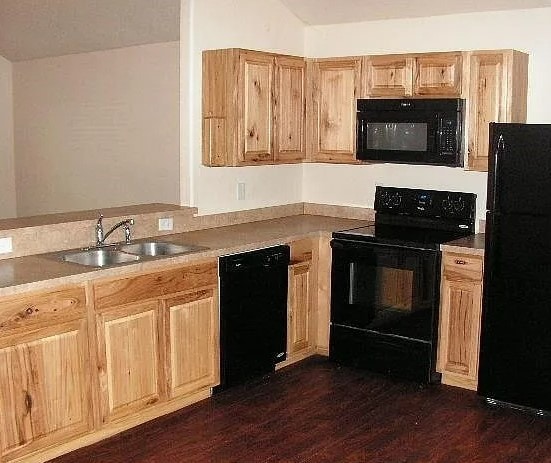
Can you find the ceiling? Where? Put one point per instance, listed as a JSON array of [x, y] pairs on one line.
[[318, 12], [32, 29]]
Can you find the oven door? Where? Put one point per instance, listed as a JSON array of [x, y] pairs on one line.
[[387, 289]]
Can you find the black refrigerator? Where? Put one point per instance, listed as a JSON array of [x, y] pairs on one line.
[[515, 345]]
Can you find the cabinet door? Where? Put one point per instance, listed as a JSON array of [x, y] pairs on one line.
[[387, 76], [460, 318], [193, 343], [256, 107], [487, 103], [44, 388], [336, 86], [300, 335], [290, 113], [129, 359], [437, 74]]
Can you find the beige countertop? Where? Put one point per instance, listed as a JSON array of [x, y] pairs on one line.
[[473, 244], [42, 271]]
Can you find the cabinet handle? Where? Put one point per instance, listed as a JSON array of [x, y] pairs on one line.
[[460, 262]]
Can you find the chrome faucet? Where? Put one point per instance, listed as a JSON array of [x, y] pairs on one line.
[[101, 236]]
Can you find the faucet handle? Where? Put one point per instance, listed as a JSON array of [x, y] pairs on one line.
[[99, 230], [127, 233]]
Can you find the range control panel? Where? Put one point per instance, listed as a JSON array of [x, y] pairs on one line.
[[425, 203]]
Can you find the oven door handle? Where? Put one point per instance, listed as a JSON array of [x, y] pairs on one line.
[[346, 245]]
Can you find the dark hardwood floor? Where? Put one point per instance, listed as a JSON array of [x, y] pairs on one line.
[[318, 412]]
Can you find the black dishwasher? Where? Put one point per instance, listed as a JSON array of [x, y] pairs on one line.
[[253, 314]]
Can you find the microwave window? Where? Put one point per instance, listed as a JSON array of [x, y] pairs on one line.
[[402, 136]]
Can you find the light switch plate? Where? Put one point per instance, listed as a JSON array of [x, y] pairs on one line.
[[166, 224], [6, 245]]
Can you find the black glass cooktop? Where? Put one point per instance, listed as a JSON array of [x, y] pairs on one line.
[[417, 218], [424, 238]]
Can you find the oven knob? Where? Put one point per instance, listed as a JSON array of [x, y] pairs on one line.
[[447, 205], [395, 200], [459, 204]]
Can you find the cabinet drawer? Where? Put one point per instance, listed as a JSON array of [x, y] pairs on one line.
[[25, 312], [462, 266], [154, 285]]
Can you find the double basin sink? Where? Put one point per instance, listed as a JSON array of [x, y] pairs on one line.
[[111, 255]]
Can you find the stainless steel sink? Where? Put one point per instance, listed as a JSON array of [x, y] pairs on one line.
[[158, 248], [118, 254], [99, 257]]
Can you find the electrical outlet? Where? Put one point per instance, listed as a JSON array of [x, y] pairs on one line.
[[166, 224], [240, 191], [6, 245]]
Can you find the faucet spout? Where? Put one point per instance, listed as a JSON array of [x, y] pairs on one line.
[[101, 236]]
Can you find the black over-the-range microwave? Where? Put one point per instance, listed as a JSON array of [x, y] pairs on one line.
[[410, 131]]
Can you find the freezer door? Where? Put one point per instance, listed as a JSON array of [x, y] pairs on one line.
[[520, 169], [515, 350]]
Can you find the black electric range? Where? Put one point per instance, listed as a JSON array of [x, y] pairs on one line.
[[385, 281]]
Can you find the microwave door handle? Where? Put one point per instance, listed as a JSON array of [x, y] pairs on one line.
[[362, 131], [438, 134]]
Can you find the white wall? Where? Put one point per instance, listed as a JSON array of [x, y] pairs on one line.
[[7, 172], [97, 129], [265, 25], [525, 30]]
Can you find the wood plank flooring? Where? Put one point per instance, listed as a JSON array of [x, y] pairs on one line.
[[319, 412]]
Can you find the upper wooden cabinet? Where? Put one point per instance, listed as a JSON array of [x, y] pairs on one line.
[[427, 75], [437, 74], [290, 109], [335, 85], [498, 85], [387, 76], [262, 108], [45, 389], [253, 108]]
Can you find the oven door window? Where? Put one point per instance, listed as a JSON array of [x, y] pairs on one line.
[[388, 289]]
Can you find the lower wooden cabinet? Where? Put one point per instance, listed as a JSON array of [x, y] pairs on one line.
[[157, 337], [460, 317], [307, 305], [192, 347], [79, 365], [300, 335], [129, 362], [44, 371]]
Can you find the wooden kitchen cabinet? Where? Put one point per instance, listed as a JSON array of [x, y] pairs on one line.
[[45, 388], [498, 83], [426, 75], [130, 366], [253, 108], [334, 87], [157, 337], [290, 109], [300, 333], [437, 75], [387, 76], [192, 345], [460, 318]]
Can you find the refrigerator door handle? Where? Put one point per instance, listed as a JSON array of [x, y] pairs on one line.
[[500, 148]]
